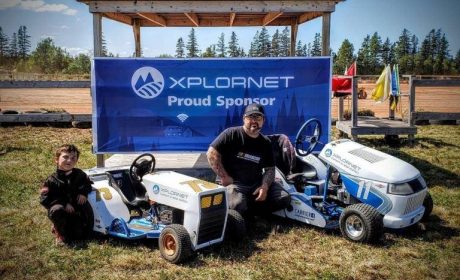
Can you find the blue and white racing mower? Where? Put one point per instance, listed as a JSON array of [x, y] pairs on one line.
[[352, 187], [184, 213]]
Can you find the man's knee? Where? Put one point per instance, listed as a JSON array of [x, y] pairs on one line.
[[56, 212], [236, 200]]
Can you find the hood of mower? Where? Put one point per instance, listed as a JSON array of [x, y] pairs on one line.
[[355, 159]]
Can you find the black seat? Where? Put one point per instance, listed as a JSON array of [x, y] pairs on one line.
[[132, 193], [292, 167]]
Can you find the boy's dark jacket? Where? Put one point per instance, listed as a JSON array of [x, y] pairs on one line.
[[62, 189]]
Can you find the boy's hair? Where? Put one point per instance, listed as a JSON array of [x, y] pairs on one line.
[[68, 148]]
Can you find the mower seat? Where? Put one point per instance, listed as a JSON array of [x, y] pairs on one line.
[[132, 193], [291, 167]]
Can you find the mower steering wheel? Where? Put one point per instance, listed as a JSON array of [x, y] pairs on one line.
[[304, 138], [142, 165]]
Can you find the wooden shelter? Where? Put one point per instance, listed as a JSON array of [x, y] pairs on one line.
[[210, 14], [163, 14]]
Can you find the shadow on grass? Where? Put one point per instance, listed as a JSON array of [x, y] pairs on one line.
[[433, 175], [433, 229]]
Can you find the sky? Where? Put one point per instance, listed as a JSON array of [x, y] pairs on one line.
[[69, 24]]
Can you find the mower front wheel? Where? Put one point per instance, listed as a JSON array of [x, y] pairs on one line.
[[428, 204], [236, 226], [361, 223], [174, 243]]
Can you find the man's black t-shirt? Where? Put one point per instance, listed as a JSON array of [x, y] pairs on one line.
[[243, 157]]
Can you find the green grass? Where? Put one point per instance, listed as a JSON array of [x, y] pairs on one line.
[[27, 250]]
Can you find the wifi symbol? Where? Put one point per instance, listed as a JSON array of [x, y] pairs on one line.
[[182, 117]]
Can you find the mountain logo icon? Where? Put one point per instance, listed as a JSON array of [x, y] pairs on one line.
[[147, 82]]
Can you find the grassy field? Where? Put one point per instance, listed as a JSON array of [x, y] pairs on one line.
[[27, 250]]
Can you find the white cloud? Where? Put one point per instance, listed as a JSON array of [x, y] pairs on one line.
[[37, 6], [64, 27], [77, 51]]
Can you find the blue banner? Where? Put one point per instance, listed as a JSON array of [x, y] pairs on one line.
[[183, 104]]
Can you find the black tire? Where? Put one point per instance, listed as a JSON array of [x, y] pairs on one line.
[[361, 223], [428, 204], [236, 227], [174, 243]]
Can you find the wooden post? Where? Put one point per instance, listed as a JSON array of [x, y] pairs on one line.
[[340, 111], [411, 137], [294, 28], [97, 35], [411, 100], [354, 106], [326, 34], [137, 36]]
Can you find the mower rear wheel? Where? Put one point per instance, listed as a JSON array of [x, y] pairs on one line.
[[428, 204], [361, 223], [174, 243]]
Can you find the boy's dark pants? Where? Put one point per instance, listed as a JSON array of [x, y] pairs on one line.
[[71, 226]]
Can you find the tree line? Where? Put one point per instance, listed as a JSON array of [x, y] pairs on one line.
[[430, 57]]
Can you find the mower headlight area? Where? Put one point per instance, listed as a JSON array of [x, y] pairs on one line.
[[400, 189], [211, 200]]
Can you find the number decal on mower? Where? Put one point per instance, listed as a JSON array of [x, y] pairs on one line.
[[366, 185], [195, 185], [105, 194]]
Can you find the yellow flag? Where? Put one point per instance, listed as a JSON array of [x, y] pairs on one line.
[[382, 86]]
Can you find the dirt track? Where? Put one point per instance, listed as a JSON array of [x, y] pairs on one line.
[[78, 100]]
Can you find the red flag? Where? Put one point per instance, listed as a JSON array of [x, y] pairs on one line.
[[351, 71]]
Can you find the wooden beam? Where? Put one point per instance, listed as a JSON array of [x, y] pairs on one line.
[[137, 36], [270, 17], [232, 18], [193, 18], [210, 6], [308, 16], [326, 35], [119, 17], [156, 19]]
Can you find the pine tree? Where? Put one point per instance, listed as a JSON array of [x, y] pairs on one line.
[[285, 43], [364, 60], [403, 52], [4, 48], [276, 44], [241, 52], [23, 42], [264, 43], [344, 57], [387, 52], [192, 45], [253, 50], [457, 62], [375, 49], [221, 49], [233, 49], [298, 49], [180, 48], [13, 47], [210, 52], [316, 46]]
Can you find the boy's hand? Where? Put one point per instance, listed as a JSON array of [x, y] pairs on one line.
[[81, 199], [69, 208]]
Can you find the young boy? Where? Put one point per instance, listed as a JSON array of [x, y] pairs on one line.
[[64, 194]]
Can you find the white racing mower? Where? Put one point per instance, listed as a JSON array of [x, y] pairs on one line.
[[352, 187], [184, 213]]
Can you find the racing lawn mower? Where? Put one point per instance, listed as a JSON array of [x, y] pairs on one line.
[[352, 187], [184, 213]]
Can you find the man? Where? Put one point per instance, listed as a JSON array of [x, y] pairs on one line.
[[243, 159]]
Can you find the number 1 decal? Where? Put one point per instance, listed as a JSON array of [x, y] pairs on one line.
[[366, 186]]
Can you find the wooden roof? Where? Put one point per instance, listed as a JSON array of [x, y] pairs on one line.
[[211, 13]]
